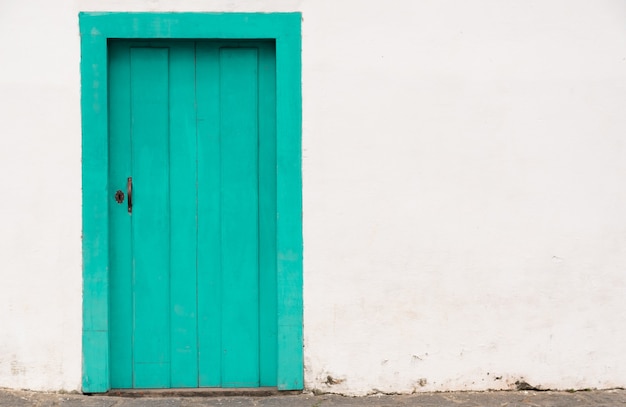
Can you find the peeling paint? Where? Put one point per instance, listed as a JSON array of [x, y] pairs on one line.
[[331, 381]]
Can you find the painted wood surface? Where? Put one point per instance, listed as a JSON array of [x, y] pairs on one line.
[[175, 310], [150, 224], [240, 213], [209, 214], [268, 346], [120, 282], [99, 330], [183, 216]]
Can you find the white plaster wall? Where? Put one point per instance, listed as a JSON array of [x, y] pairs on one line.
[[464, 191]]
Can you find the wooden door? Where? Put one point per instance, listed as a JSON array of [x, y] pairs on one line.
[[192, 138]]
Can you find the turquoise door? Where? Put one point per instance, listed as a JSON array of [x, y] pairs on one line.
[[192, 146]]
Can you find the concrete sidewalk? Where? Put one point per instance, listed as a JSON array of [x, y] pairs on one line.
[[605, 398]]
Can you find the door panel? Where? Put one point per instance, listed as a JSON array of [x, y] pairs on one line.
[[150, 226], [193, 290], [120, 273], [209, 215], [240, 224], [267, 224], [183, 222]]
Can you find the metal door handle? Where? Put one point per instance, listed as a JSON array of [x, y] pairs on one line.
[[129, 189]]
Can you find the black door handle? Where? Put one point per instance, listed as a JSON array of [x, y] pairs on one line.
[[129, 190]]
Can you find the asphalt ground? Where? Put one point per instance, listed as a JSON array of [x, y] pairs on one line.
[[596, 398]]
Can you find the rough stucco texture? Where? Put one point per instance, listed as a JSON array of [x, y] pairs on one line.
[[464, 190]]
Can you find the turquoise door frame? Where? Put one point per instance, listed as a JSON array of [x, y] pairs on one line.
[[96, 29]]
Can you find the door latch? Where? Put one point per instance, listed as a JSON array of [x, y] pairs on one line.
[[119, 197], [129, 188]]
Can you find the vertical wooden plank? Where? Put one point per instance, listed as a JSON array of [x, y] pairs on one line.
[[209, 216], [267, 215], [183, 201], [289, 203], [93, 68], [150, 217], [120, 274], [239, 149]]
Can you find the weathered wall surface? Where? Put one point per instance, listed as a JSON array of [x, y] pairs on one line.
[[464, 191]]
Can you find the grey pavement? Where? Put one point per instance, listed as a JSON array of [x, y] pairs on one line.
[[605, 398]]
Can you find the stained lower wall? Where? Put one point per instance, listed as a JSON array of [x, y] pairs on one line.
[[463, 171]]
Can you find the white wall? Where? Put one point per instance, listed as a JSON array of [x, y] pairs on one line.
[[464, 191]]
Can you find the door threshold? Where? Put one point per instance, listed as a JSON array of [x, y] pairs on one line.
[[202, 392]]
